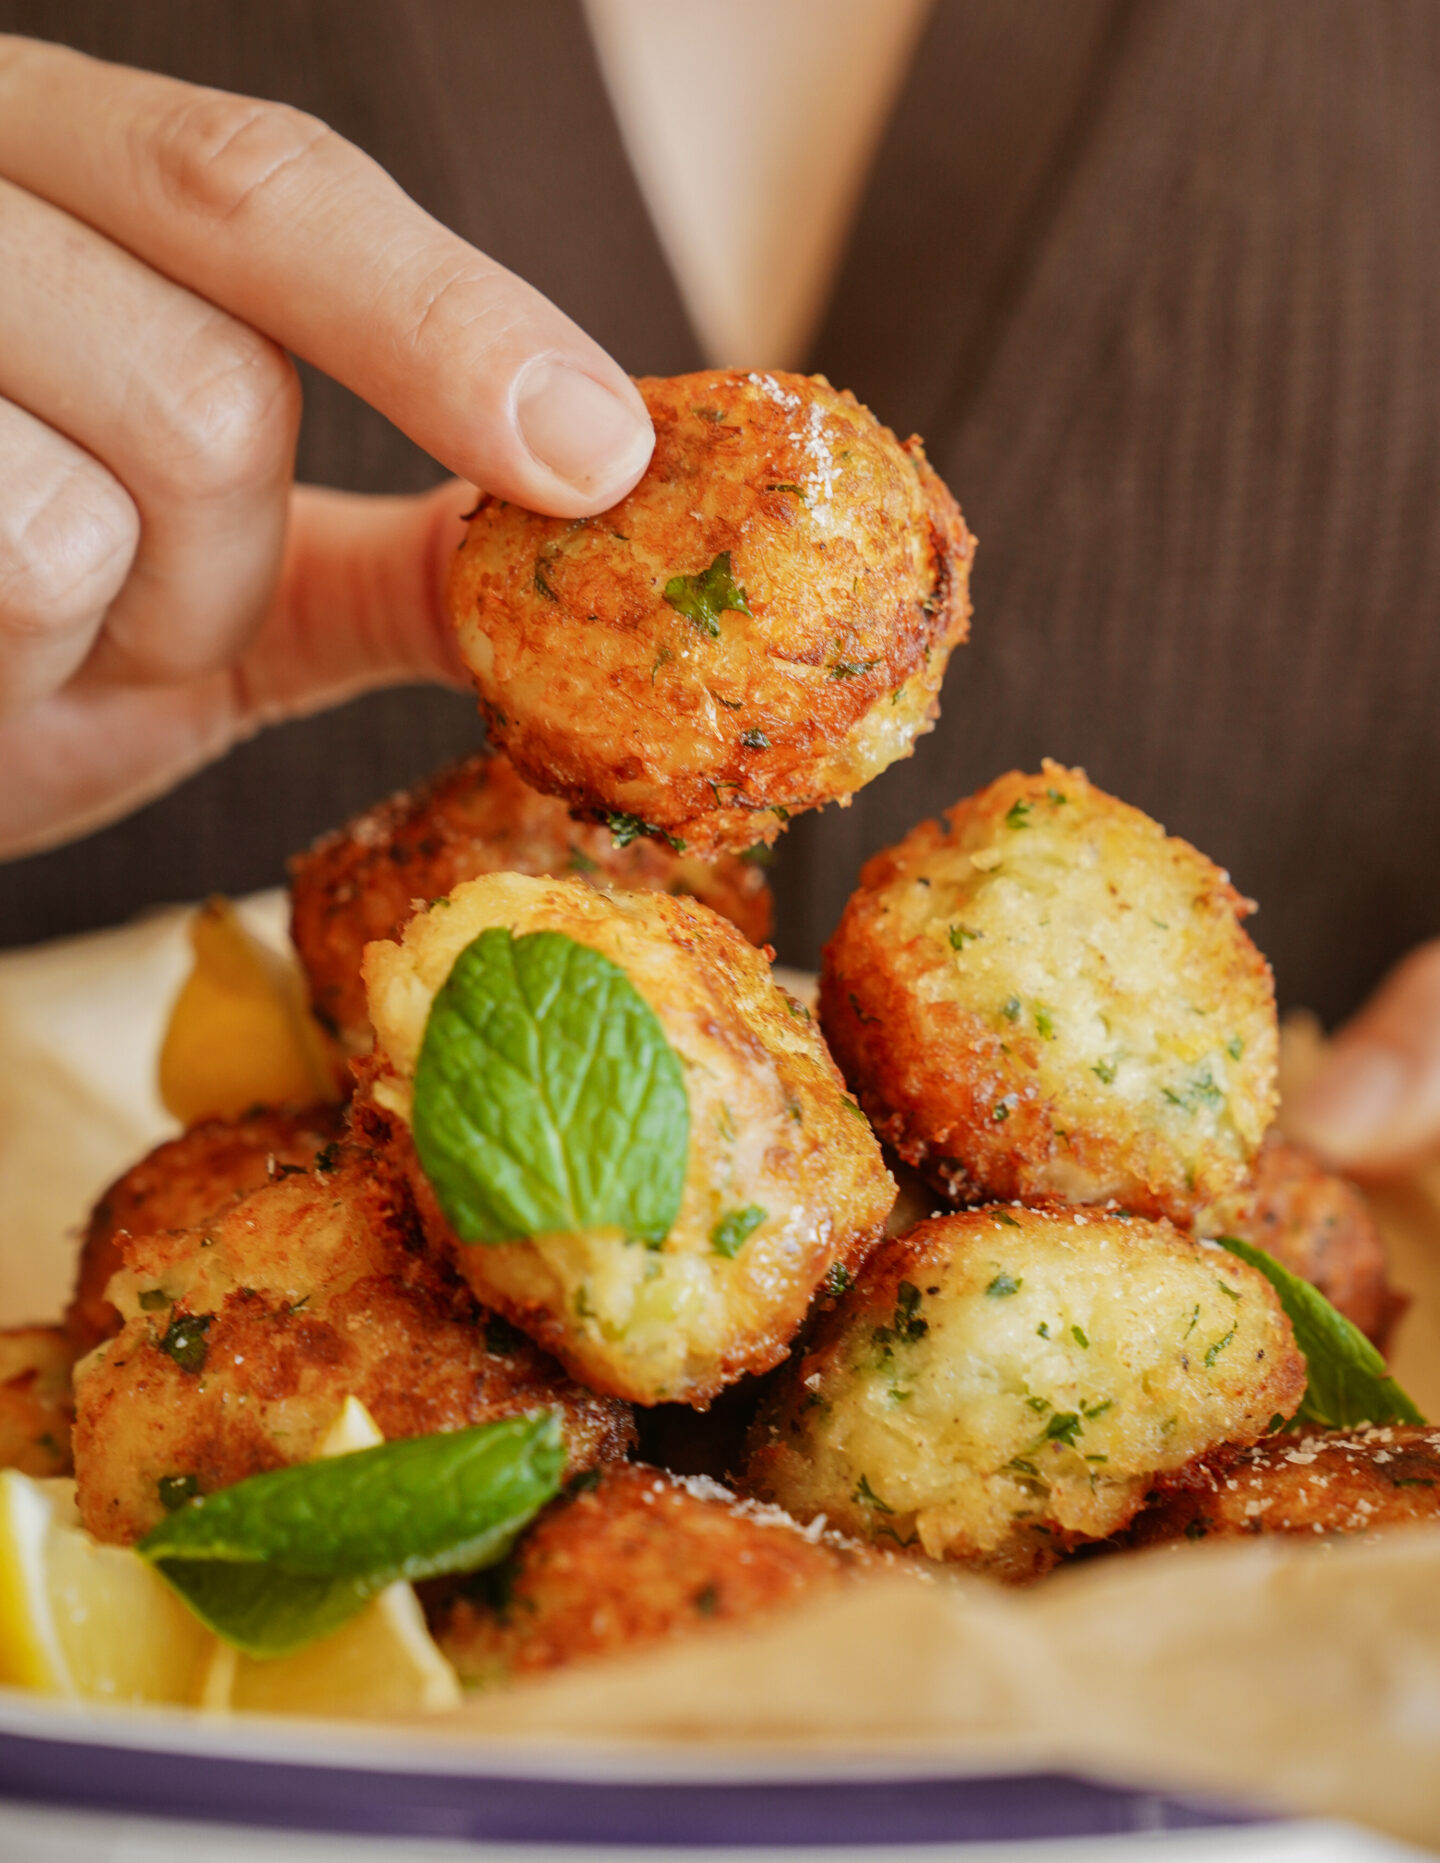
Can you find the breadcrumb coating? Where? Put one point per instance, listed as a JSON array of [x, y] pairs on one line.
[[1318, 1483], [759, 628], [36, 1407], [243, 1338], [773, 1135], [178, 1185], [1006, 1383], [631, 1557], [365, 880], [1048, 997]]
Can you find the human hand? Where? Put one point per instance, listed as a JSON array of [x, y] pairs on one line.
[[1372, 1107], [164, 590]]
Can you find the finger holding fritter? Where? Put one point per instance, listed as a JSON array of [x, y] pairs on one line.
[[760, 627], [783, 1180], [1048, 997], [365, 881], [1004, 1384], [1319, 1226], [182, 1182], [243, 1338], [1319, 1482], [632, 1557]]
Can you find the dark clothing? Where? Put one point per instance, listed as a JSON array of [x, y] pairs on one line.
[[1158, 282]]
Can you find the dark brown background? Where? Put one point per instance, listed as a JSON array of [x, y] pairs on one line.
[[1159, 282]]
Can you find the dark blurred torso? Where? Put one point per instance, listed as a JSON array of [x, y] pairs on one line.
[[1158, 283]]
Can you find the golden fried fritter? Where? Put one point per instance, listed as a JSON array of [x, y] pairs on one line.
[[1321, 1482], [783, 1178], [760, 627], [633, 1556], [1318, 1226], [179, 1184], [243, 1338], [1005, 1383], [36, 1408], [1051, 998], [475, 817]]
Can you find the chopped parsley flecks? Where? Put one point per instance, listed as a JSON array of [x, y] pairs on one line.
[[1044, 1023], [850, 669], [1077, 1333], [755, 739], [1004, 1216], [865, 1494], [627, 828], [838, 1279], [184, 1340], [705, 596], [1004, 1284], [152, 1299], [735, 1228], [1016, 813], [1235, 1047], [1105, 1072], [961, 935], [1212, 1352], [1064, 1427], [175, 1490], [1010, 1009]]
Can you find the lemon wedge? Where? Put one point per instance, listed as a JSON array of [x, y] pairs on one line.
[[383, 1663], [240, 1034], [82, 1619]]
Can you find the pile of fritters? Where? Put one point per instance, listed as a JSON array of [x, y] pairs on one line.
[[1045, 1006]]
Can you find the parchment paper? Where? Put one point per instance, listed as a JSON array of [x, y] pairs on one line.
[[1303, 1677]]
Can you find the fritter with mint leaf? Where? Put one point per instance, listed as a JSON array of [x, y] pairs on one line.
[[759, 628], [1005, 1384], [244, 1335], [1048, 997], [365, 880], [630, 1140]]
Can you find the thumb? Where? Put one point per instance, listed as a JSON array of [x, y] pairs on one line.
[[1374, 1104]]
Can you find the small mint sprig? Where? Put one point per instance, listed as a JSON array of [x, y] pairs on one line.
[[1347, 1383], [277, 1561]]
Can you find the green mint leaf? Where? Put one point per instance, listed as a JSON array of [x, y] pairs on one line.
[[703, 598], [1348, 1383], [274, 1562], [735, 1228], [547, 1099]]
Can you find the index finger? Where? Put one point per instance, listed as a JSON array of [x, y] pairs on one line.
[[271, 215]]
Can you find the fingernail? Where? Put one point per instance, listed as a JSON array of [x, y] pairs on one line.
[[581, 431], [1351, 1103]]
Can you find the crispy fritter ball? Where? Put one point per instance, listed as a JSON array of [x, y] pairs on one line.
[[243, 1338], [1321, 1482], [476, 817], [1051, 998], [1317, 1225], [783, 1180], [1005, 1383], [179, 1184], [632, 1557], [36, 1407], [759, 628]]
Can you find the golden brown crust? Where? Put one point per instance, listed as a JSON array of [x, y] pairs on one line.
[[475, 817], [1319, 1226], [181, 1183], [1049, 997], [1318, 1482], [36, 1406], [771, 1127], [635, 1557], [854, 561], [317, 1288], [1005, 1384]]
